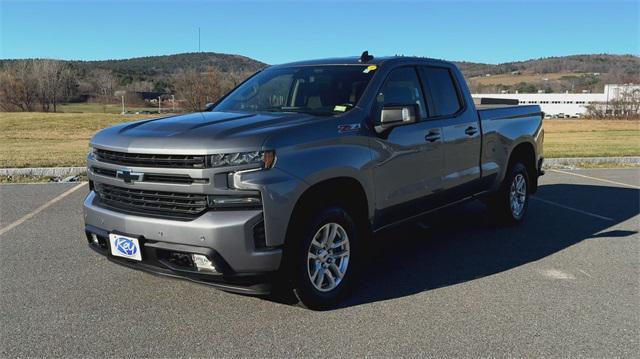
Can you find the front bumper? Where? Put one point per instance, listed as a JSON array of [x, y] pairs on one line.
[[227, 237]]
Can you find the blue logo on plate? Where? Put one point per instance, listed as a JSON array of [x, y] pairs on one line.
[[126, 246]]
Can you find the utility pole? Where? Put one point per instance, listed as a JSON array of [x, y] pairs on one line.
[[173, 103], [199, 39], [606, 106], [123, 112], [159, 104]]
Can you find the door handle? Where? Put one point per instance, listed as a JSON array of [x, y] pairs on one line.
[[432, 136], [471, 131]]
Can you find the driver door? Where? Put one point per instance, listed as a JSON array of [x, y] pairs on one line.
[[409, 157]]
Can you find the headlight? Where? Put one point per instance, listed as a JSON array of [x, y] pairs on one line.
[[264, 158], [92, 152]]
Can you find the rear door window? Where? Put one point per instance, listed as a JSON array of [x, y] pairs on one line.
[[440, 90]]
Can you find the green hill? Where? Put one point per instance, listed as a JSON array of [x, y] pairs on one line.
[[169, 64], [563, 73]]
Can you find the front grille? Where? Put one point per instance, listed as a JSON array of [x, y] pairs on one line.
[[154, 177], [155, 203], [165, 178], [151, 160], [104, 172]]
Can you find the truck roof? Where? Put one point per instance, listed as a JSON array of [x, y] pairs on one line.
[[355, 60]]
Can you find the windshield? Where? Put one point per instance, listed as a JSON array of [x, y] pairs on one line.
[[317, 90]]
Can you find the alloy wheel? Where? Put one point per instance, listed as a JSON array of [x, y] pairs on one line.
[[328, 257], [518, 195]]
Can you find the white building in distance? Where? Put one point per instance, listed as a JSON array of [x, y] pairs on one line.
[[565, 104]]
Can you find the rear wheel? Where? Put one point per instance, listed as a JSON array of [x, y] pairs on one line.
[[510, 203], [323, 257]]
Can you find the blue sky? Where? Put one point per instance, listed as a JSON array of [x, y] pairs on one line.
[[282, 31]]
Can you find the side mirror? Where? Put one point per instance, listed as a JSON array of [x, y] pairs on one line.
[[392, 116]]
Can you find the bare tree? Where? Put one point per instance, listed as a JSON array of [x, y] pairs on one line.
[[50, 75], [18, 87], [105, 83], [139, 86], [197, 89], [625, 105], [68, 84], [596, 110], [237, 78]]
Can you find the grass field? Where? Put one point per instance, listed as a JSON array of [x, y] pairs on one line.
[[509, 79], [35, 139], [591, 138], [100, 108]]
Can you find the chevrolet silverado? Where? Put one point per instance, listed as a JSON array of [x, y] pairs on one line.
[[286, 178]]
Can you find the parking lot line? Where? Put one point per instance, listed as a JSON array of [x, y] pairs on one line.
[[596, 179], [39, 209], [572, 209]]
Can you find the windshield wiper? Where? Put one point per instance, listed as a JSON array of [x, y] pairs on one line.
[[274, 109], [296, 110]]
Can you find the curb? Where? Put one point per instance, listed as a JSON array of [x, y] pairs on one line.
[[44, 171], [576, 161], [548, 163]]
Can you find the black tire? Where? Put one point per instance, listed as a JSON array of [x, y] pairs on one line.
[[299, 268], [500, 202]]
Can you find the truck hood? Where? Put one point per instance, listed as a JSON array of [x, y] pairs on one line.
[[197, 133]]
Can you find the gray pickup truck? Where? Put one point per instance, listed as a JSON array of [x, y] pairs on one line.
[[288, 177]]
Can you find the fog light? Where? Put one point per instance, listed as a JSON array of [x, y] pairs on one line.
[[240, 201], [203, 263], [94, 239]]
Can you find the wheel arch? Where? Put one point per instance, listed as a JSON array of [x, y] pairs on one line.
[[344, 191], [525, 152]]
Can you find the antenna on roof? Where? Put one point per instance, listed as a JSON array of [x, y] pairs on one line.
[[365, 57]]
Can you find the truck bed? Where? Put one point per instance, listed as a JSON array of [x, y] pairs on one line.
[[477, 100], [496, 112], [492, 106]]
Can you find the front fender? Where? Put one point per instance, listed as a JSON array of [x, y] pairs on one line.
[[280, 191], [351, 157], [295, 171]]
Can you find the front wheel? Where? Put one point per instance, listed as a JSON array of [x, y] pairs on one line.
[[510, 203], [324, 258]]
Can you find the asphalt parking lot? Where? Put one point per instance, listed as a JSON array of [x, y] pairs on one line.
[[565, 283]]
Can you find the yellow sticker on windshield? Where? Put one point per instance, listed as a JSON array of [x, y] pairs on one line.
[[370, 68], [340, 108]]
